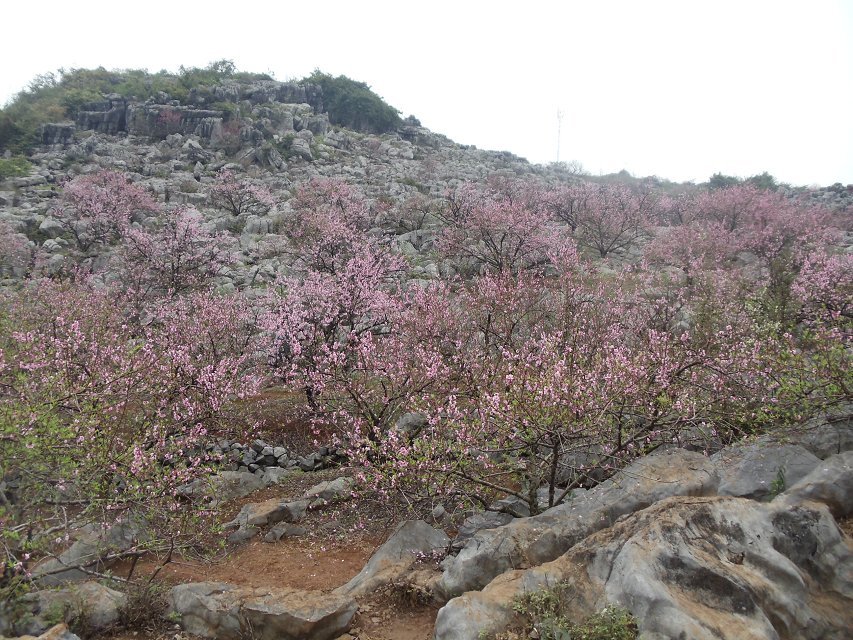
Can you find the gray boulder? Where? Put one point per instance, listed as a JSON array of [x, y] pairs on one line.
[[762, 469], [337, 489], [830, 483], [51, 228], [410, 424], [699, 568], [532, 541], [227, 612], [86, 553], [396, 556], [222, 487], [479, 522], [269, 512], [284, 530], [827, 435], [302, 148], [99, 605]]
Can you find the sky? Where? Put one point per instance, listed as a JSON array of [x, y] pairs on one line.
[[677, 89]]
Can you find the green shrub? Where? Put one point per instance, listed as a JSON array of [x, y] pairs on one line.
[[352, 104], [543, 610], [14, 167]]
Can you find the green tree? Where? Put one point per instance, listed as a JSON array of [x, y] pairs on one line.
[[354, 105]]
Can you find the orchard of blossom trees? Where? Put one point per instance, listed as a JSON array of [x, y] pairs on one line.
[[525, 366]]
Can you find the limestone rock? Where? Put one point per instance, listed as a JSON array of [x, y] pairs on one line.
[[284, 530], [758, 470], [479, 522], [532, 541], [269, 512], [57, 133], [87, 552], [698, 568], [99, 604], [222, 487], [337, 489], [51, 228], [226, 612], [827, 435], [395, 557], [830, 483]]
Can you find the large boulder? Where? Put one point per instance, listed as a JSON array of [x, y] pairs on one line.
[[527, 542], [269, 512], [87, 552], [411, 540], [830, 483], [330, 491], [763, 469], [479, 522], [227, 612], [90, 601], [826, 435], [699, 568]]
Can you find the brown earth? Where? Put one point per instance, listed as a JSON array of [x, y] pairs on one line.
[[340, 540]]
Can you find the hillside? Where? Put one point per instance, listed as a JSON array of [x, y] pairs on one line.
[[455, 394]]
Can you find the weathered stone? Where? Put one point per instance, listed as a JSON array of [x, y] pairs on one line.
[[759, 470], [411, 423], [827, 435], [274, 475], [699, 568], [226, 612], [86, 553], [532, 541], [479, 522], [396, 556], [99, 605], [51, 227], [57, 133], [284, 530], [269, 512], [339, 488], [302, 148], [830, 483], [222, 487]]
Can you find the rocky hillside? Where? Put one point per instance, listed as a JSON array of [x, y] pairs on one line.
[[554, 405]]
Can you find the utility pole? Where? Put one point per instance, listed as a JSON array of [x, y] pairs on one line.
[[559, 129]]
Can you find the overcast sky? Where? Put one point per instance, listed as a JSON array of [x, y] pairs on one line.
[[679, 89]]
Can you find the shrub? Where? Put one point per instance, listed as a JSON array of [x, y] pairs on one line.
[[14, 167], [352, 104], [544, 610]]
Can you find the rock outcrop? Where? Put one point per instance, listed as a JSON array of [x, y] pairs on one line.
[[699, 568], [226, 612], [411, 540], [532, 541]]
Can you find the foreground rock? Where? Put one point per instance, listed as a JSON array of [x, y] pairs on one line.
[[699, 568], [762, 469], [98, 605], [411, 540], [830, 483], [93, 546], [224, 611], [531, 541]]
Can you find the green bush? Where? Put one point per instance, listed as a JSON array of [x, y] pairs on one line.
[[543, 610], [353, 105], [14, 167]]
